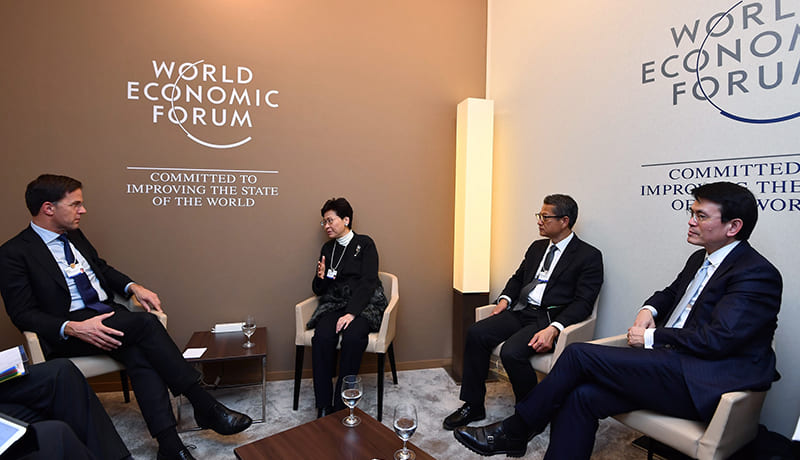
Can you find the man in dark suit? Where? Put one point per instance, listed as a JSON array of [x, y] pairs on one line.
[[67, 420], [54, 283], [708, 333], [556, 285]]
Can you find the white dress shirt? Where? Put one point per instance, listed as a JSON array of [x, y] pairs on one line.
[[714, 259]]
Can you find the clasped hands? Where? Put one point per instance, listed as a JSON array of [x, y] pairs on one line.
[[644, 320], [94, 332]]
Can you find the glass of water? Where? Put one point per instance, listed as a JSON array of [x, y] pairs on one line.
[[249, 328], [405, 424], [351, 393]]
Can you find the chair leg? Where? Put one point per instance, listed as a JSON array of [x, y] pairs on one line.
[[126, 392], [381, 366], [392, 364], [650, 445], [298, 373]]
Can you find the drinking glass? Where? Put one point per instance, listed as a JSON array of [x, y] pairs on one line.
[[249, 328], [351, 393], [405, 424]]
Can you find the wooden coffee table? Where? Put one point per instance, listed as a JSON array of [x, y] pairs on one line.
[[327, 438], [227, 346]]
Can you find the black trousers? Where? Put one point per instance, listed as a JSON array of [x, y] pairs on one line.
[[516, 328], [56, 390], [49, 440], [323, 355], [153, 361], [590, 382]]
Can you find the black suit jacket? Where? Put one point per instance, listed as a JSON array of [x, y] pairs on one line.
[[33, 287], [358, 269], [574, 284], [726, 343]]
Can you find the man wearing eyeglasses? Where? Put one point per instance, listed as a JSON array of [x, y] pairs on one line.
[[708, 333], [556, 285]]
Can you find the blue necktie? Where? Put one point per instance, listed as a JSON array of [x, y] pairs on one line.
[[85, 289], [689, 298]]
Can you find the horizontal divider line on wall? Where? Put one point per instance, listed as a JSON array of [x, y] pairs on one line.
[[110, 382]]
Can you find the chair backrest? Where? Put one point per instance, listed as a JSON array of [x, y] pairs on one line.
[[389, 323]]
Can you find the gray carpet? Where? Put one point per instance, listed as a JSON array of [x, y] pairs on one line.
[[432, 390]]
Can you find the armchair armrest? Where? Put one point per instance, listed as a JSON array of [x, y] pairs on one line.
[[132, 304], [302, 313], [484, 312], [34, 347], [582, 331], [613, 341], [732, 425]]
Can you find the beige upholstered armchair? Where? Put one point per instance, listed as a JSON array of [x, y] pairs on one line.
[[734, 424], [582, 331], [92, 366], [380, 343]]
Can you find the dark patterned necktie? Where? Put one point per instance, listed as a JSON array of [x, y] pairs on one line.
[[85, 289], [522, 301]]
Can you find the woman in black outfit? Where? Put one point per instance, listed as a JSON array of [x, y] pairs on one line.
[[351, 302]]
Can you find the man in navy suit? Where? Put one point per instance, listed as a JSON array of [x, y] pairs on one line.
[[708, 333], [67, 420], [54, 283], [555, 286]]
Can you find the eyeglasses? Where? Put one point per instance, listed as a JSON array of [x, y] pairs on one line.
[[328, 221], [543, 218], [698, 216]]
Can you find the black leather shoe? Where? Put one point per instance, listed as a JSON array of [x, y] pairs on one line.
[[323, 411], [182, 454], [463, 416], [223, 420], [490, 440]]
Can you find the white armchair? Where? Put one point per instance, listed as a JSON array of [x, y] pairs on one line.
[[91, 366], [734, 424], [380, 343], [582, 331]]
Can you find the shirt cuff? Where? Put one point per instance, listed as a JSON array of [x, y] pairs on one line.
[[558, 326], [649, 338], [650, 309], [61, 331], [127, 287], [508, 299]]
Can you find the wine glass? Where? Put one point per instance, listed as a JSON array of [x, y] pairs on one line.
[[249, 328], [405, 424], [351, 393]]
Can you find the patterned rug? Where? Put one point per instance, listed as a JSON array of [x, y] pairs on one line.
[[432, 390]]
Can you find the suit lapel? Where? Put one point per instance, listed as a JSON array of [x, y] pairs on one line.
[[538, 253], [727, 264], [564, 261], [42, 255]]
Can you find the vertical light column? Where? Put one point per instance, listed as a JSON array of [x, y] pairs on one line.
[[473, 218], [473, 203]]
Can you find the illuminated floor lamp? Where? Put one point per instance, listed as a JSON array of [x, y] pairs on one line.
[[473, 218]]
